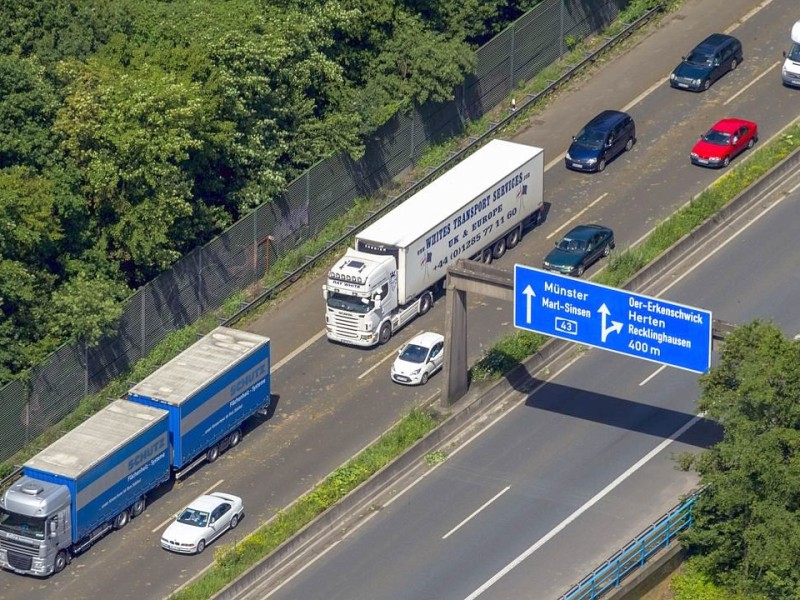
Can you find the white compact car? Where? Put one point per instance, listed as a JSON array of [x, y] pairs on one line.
[[205, 519], [419, 359]]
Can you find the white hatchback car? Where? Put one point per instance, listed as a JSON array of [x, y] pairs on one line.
[[418, 359], [205, 519]]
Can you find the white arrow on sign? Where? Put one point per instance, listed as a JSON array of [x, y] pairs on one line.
[[528, 291], [615, 325]]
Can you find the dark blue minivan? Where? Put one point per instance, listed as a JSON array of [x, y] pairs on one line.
[[600, 141]]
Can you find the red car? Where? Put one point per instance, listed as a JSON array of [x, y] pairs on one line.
[[724, 141]]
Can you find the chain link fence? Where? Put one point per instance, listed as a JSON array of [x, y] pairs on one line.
[[238, 258]]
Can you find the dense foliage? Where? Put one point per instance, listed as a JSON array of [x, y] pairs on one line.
[[132, 130], [747, 529]]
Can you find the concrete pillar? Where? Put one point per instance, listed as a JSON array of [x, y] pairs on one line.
[[455, 345]]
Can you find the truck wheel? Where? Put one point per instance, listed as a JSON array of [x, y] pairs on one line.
[[60, 562], [236, 437], [138, 507], [513, 238], [201, 545], [425, 303], [499, 248], [385, 334], [486, 256], [212, 453], [121, 519]]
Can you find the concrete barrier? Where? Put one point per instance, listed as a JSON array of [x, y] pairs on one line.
[[520, 379]]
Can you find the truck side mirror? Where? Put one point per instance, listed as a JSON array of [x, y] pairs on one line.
[[324, 292], [784, 54], [52, 528]]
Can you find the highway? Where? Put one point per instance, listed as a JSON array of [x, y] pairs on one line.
[[481, 524], [334, 400]]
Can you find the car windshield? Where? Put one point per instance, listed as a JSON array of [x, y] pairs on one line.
[[700, 58], [590, 138], [570, 245], [720, 138], [351, 303], [191, 516], [414, 353], [794, 53], [22, 525]]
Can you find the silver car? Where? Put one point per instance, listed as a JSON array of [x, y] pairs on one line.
[[205, 519]]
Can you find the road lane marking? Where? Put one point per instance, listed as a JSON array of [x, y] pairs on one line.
[[646, 93], [474, 514], [653, 374], [297, 351], [380, 362], [727, 241], [744, 89], [750, 14], [589, 504], [173, 517], [578, 214]]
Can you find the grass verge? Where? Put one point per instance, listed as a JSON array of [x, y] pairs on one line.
[[232, 560]]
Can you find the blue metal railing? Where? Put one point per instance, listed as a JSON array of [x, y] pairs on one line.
[[635, 554]]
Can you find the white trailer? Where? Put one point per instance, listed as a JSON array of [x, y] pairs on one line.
[[478, 209]]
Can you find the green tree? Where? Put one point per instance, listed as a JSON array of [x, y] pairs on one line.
[[747, 521]]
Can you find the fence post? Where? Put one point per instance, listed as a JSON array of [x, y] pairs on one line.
[[85, 368], [512, 81], [143, 345], [561, 29]]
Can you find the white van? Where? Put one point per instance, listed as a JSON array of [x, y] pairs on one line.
[[791, 66]]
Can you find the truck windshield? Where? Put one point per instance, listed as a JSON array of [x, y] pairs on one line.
[[351, 303], [22, 525]]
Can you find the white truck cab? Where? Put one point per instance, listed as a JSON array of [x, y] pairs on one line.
[[791, 66]]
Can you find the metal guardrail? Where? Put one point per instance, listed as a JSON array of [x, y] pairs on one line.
[[635, 554], [455, 158]]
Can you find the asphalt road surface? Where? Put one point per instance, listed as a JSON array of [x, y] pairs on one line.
[[506, 517], [334, 400]]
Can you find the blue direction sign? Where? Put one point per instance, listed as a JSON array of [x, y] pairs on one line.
[[612, 319]]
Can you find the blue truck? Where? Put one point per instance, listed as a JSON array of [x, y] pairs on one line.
[[97, 476]]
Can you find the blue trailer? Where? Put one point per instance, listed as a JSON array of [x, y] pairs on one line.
[[89, 481], [209, 390]]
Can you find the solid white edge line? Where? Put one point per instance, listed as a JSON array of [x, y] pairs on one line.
[[753, 82], [297, 351], [578, 214], [474, 514], [653, 374], [591, 502], [173, 516]]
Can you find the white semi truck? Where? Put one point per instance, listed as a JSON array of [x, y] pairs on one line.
[[478, 209]]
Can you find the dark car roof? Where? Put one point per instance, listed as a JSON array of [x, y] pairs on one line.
[[714, 41], [607, 118], [585, 232]]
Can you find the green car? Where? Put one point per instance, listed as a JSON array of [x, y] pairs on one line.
[[579, 249]]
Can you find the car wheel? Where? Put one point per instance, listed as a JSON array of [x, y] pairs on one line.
[[234, 521], [499, 248], [424, 379], [601, 165], [201, 545], [727, 161], [513, 238], [121, 519], [425, 303], [61, 561], [607, 250], [212, 453], [386, 333], [751, 142], [629, 145], [706, 84], [138, 507], [733, 64], [579, 270]]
